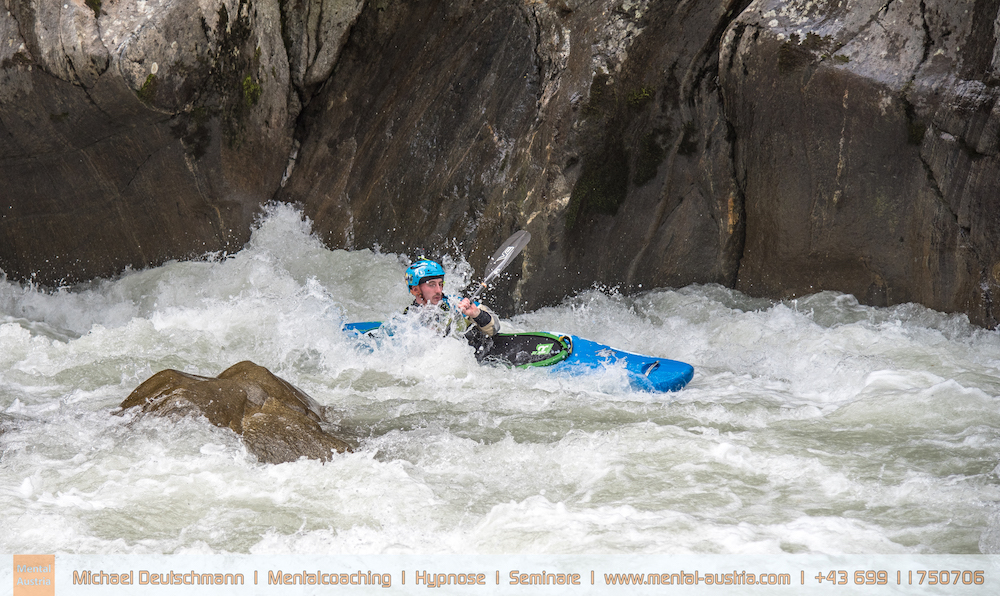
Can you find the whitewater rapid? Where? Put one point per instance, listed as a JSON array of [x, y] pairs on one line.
[[811, 426]]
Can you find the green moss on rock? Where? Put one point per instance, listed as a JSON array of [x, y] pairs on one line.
[[235, 74], [251, 91], [640, 97], [147, 93]]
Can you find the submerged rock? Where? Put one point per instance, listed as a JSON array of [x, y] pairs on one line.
[[278, 422]]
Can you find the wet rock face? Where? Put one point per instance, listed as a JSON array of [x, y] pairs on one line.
[[132, 133], [638, 190], [278, 422], [866, 145], [411, 144], [314, 32], [781, 147], [595, 125]]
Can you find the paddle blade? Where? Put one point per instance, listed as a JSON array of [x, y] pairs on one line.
[[504, 256]]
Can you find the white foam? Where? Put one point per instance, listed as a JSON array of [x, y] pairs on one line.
[[814, 425]]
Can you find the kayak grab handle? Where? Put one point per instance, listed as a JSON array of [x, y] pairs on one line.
[[653, 366]]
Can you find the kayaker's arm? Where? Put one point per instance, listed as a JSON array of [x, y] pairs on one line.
[[487, 322], [481, 316]]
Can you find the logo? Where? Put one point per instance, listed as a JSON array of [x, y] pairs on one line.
[[543, 350], [34, 575]]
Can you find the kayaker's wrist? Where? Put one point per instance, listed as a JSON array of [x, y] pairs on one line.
[[483, 318]]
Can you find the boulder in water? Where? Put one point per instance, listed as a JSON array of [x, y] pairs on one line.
[[278, 421]]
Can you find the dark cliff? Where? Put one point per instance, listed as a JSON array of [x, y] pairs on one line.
[[866, 145], [780, 147], [134, 133]]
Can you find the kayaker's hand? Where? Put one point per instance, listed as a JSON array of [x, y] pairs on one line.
[[468, 308]]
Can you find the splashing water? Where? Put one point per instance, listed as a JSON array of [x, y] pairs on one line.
[[811, 426]]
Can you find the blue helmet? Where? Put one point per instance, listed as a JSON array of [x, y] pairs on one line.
[[421, 270]]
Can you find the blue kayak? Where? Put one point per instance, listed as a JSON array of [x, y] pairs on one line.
[[570, 354]]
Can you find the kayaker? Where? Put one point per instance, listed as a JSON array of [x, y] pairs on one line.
[[425, 280]]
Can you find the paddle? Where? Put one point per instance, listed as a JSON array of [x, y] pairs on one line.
[[503, 257]]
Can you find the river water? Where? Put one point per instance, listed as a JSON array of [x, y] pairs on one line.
[[811, 426]]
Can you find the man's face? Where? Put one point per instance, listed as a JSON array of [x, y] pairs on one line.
[[428, 292]]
